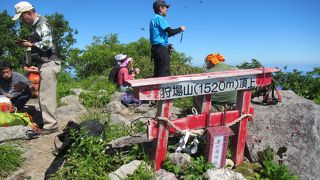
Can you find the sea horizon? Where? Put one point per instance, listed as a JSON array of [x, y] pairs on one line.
[[289, 67]]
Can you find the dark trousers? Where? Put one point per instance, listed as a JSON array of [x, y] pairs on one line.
[[161, 58], [22, 99]]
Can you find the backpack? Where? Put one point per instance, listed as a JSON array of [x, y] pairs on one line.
[[270, 95], [113, 75], [129, 100], [72, 132]]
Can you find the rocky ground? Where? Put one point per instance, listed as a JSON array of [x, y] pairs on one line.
[[38, 152]]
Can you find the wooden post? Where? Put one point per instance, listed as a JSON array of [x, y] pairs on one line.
[[159, 148], [240, 129]]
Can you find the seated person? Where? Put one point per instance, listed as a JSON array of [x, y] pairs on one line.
[[14, 85], [124, 73], [223, 100]]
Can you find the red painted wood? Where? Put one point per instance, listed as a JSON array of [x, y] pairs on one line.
[[194, 122], [160, 143], [201, 76], [150, 89], [240, 129]]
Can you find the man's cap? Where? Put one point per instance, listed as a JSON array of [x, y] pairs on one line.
[[159, 3], [120, 57], [21, 7]]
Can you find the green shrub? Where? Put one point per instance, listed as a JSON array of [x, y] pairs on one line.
[[306, 85], [65, 83], [193, 170], [271, 169], [10, 159], [144, 172], [98, 91]]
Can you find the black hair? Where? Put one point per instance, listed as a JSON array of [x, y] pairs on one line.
[[5, 65]]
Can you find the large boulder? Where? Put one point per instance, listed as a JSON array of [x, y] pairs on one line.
[[294, 125]]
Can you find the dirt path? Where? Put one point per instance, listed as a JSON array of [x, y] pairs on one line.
[[38, 154]]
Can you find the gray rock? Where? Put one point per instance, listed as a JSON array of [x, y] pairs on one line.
[[180, 159], [165, 175], [14, 132], [143, 108], [77, 91], [129, 140], [116, 96], [125, 170], [222, 174], [294, 124], [116, 107], [118, 119]]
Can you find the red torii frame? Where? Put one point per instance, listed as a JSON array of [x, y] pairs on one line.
[[165, 89]]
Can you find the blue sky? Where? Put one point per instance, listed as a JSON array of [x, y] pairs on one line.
[[276, 32]]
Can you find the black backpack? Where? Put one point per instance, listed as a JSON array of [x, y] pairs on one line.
[[113, 75], [70, 134], [270, 95]]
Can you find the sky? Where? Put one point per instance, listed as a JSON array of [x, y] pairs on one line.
[[275, 32]]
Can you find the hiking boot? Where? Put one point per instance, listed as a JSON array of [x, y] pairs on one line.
[[48, 131]]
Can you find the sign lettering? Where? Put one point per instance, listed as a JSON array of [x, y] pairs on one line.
[[209, 86]]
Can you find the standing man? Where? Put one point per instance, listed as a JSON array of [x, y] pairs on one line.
[[44, 54], [159, 33]]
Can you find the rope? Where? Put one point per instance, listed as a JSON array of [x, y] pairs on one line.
[[239, 119], [191, 132]]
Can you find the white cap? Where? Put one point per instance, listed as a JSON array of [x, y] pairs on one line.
[[120, 57], [21, 7], [4, 99]]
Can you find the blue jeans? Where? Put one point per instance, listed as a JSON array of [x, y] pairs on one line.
[[21, 99]]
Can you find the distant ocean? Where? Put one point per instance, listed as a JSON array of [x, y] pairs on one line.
[[290, 67]]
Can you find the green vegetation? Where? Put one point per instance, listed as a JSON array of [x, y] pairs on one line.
[[193, 170], [87, 158], [271, 169], [10, 159], [306, 84]]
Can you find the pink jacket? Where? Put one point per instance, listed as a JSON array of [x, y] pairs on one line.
[[124, 76]]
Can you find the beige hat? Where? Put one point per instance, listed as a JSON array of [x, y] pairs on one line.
[[21, 7]]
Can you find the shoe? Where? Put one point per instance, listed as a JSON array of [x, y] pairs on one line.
[[48, 131]]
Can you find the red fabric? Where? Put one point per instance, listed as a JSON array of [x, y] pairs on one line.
[[124, 76]]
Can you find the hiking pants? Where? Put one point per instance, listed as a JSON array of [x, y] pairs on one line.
[[48, 93], [161, 58], [21, 99]]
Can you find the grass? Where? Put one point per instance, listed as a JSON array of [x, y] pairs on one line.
[[10, 159]]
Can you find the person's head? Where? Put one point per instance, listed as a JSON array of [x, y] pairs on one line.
[[127, 62], [25, 11], [160, 7], [213, 59], [119, 58], [5, 70]]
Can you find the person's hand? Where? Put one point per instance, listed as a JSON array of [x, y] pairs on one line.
[[31, 69], [24, 43], [136, 70], [183, 28], [19, 86]]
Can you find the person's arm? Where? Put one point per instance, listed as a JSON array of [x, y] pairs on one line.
[[172, 32], [45, 33], [127, 76]]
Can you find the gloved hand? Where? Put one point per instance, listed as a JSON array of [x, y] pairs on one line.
[[19, 86]]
